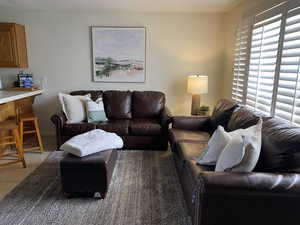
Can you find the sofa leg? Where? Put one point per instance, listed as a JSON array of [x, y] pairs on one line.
[[68, 195]]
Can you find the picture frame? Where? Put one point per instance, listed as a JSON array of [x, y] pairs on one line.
[[119, 54]]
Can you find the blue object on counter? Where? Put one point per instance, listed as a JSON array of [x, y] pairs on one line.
[[28, 81], [25, 80]]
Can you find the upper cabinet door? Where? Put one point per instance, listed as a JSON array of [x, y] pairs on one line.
[[13, 51]]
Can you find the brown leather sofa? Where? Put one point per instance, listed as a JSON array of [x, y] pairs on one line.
[[139, 117], [268, 195]]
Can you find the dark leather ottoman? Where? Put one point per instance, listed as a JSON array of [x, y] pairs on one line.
[[88, 175]]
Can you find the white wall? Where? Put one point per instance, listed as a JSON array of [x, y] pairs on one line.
[[177, 45]]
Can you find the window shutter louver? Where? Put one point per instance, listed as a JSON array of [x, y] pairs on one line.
[[240, 62], [288, 93], [270, 80], [263, 60]]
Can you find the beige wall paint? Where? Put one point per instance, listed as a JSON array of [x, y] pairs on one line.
[[59, 49]]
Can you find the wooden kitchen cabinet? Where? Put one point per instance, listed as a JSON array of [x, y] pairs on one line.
[[13, 50]]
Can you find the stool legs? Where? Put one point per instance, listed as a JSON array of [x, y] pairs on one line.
[[36, 131], [19, 147], [21, 129], [38, 134], [14, 139]]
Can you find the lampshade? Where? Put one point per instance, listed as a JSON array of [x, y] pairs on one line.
[[197, 84]]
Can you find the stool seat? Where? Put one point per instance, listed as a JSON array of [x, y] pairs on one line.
[[27, 117], [8, 125]]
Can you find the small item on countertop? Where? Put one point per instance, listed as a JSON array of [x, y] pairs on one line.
[[1, 85], [25, 80], [28, 82]]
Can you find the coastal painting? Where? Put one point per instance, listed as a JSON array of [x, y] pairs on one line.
[[118, 54]]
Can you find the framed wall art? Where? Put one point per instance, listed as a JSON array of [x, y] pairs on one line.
[[119, 54]]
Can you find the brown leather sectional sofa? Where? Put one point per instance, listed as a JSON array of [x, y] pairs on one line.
[[139, 117], [268, 195]]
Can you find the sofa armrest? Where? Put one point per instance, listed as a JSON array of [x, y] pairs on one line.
[[249, 183], [166, 117], [59, 120], [221, 198], [190, 122]]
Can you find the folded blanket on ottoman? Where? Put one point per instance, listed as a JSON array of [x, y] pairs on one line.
[[92, 142]]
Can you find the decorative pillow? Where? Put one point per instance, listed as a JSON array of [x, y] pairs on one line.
[[73, 107], [242, 151], [243, 118], [215, 146], [95, 111], [221, 114]]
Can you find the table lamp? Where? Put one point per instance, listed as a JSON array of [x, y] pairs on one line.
[[196, 85]]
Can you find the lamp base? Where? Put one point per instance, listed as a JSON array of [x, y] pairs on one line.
[[195, 104]]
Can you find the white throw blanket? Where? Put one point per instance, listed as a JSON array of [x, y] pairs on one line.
[[92, 142]]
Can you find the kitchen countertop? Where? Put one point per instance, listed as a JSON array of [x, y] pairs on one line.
[[9, 96]]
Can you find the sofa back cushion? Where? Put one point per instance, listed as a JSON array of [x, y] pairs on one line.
[[147, 104], [221, 114], [243, 118], [94, 94], [117, 104], [280, 147]]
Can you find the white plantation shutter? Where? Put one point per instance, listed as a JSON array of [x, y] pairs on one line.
[[287, 104], [272, 73], [263, 60], [240, 61]]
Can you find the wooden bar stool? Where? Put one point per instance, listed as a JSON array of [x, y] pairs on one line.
[[11, 127], [30, 119]]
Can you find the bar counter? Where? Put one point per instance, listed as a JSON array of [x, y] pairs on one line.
[[9, 96], [13, 103]]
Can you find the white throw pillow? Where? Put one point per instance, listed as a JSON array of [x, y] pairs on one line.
[[73, 107], [242, 151], [215, 146]]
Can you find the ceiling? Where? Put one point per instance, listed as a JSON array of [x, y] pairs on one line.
[[123, 5]]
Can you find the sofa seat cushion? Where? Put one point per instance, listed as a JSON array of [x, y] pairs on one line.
[[190, 150], [145, 127], [178, 135], [120, 127], [73, 129]]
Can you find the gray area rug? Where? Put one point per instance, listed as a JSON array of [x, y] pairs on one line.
[[145, 190]]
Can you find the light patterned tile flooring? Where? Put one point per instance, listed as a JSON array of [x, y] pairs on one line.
[[12, 175]]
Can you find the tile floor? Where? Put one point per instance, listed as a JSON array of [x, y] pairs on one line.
[[12, 175]]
